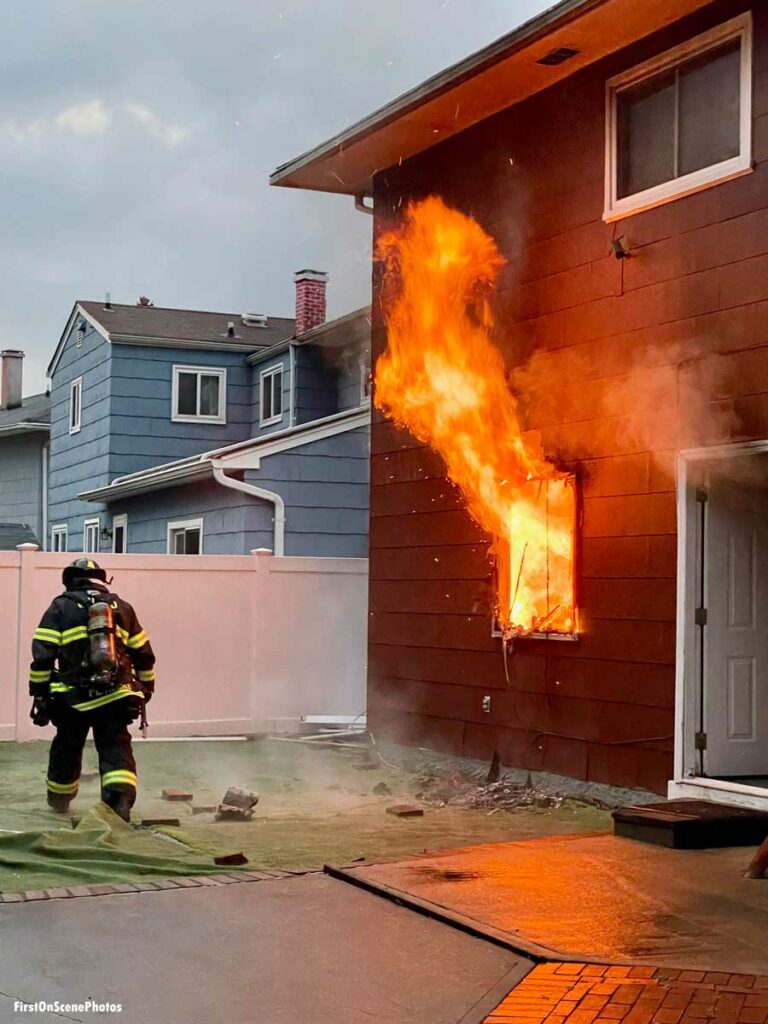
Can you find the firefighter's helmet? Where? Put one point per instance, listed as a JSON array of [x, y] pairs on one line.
[[83, 568]]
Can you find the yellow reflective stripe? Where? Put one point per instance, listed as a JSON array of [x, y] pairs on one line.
[[146, 675], [134, 642], [36, 676], [122, 633], [61, 688], [62, 787], [71, 635], [120, 775], [97, 702], [48, 636]]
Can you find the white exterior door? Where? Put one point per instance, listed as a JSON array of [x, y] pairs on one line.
[[736, 591]]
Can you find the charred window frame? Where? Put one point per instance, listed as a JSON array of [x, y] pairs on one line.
[[661, 112]]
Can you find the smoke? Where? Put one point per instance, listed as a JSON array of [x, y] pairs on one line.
[[662, 402]]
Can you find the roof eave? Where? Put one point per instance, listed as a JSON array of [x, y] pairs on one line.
[[496, 78], [25, 428], [450, 77]]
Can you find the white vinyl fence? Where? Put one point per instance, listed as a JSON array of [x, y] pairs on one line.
[[244, 644]]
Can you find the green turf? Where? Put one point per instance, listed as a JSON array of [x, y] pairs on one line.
[[315, 807]]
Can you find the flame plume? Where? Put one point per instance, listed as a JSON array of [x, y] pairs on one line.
[[443, 379]]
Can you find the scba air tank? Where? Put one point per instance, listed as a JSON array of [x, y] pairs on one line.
[[101, 635]]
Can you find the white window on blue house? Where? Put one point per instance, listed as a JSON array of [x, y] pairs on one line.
[[185, 537], [681, 122], [91, 529], [75, 405], [59, 537], [199, 395], [271, 396]]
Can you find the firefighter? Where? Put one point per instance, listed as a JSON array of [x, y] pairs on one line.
[[105, 676]]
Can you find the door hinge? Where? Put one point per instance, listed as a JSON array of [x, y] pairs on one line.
[[700, 616], [702, 495], [700, 741]]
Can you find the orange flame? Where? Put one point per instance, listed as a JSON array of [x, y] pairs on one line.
[[443, 379]]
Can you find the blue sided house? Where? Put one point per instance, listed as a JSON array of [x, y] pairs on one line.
[[24, 431], [187, 432]]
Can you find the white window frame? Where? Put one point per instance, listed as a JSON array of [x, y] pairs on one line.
[[726, 170], [208, 371], [88, 524], [120, 523], [270, 371], [75, 405], [183, 524], [61, 530]]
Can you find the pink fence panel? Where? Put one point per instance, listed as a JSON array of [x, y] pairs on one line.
[[9, 636], [243, 643]]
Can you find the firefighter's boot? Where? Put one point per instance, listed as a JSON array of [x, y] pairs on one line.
[[58, 802], [120, 803]]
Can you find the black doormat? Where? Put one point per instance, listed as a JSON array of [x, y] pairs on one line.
[[691, 824]]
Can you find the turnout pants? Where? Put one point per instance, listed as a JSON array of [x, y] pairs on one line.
[[117, 766]]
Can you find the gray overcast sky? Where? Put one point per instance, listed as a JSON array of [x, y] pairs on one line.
[[137, 137]]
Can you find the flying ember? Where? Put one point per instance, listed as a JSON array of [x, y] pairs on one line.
[[442, 378]]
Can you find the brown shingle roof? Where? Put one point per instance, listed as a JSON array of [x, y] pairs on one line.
[[157, 322]]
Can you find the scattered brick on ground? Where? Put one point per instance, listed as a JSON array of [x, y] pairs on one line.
[[235, 797], [406, 811], [176, 794], [595, 994]]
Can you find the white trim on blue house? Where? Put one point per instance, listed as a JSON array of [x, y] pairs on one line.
[[177, 525], [60, 530], [198, 467], [88, 525], [19, 428], [75, 405], [271, 371], [199, 371]]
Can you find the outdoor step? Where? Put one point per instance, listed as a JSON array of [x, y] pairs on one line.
[[691, 824]]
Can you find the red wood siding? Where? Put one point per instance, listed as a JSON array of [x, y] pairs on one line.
[[686, 318]]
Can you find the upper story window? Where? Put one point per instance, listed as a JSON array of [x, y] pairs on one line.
[[199, 395], [75, 405], [680, 122], [271, 395]]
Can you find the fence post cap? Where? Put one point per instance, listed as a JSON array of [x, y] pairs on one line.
[[27, 547], [261, 551]]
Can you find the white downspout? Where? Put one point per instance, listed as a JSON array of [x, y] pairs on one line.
[[257, 492]]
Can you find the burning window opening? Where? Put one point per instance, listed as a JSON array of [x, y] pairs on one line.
[[442, 378]]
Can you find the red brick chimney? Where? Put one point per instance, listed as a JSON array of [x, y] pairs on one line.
[[10, 379], [310, 299]]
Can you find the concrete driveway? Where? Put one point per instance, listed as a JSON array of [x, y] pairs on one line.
[[279, 951]]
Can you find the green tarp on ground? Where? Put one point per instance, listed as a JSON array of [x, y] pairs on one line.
[[101, 846]]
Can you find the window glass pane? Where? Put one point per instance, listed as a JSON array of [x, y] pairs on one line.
[[645, 115], [192, 537], [119, 540], [709, 104], [266, 397], [187, 397], [209, 395], [277, 393]]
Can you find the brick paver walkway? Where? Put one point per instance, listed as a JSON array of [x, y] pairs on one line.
[[590, 994]]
